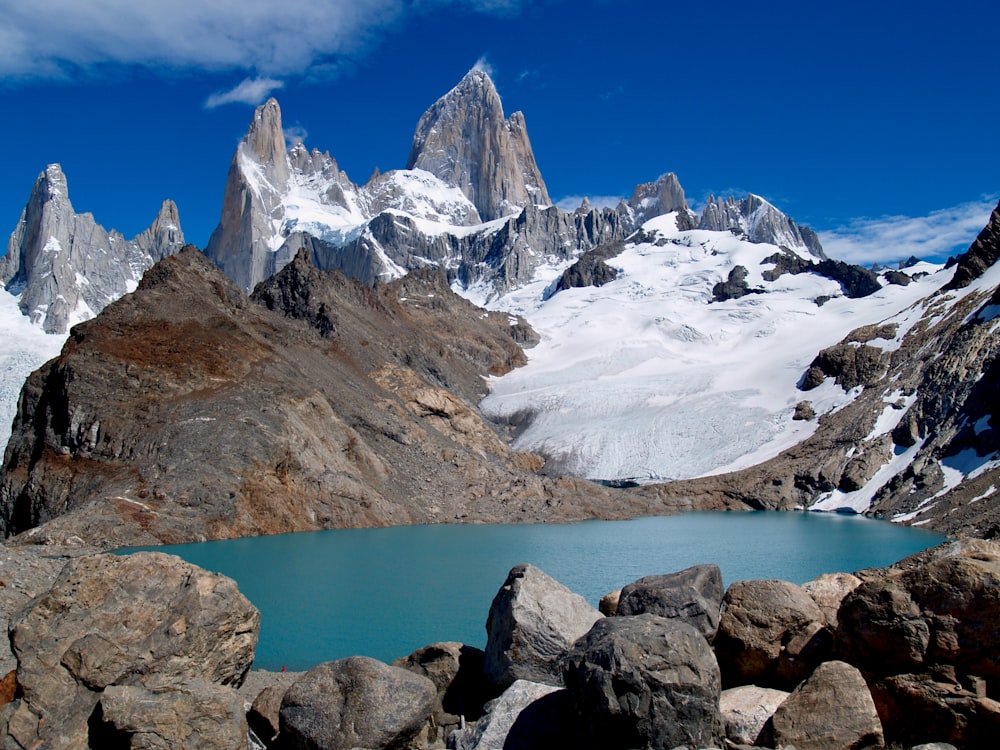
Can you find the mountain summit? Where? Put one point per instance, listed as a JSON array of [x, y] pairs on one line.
[[464, 140], [66, 267]]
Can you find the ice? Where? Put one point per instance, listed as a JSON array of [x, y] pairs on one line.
[[26, 347], [646, 378]]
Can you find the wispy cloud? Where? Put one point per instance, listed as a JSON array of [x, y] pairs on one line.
[[937, 235], [483, 65], [251, 91], [69, 38]]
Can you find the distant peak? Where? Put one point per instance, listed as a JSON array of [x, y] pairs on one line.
[[265, 136]]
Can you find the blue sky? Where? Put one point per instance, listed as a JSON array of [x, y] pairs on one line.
[[875, 123]]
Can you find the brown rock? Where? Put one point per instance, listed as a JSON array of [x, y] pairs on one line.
[[196, 714], [355, 702], [771, 634], [918, 708], [829, 590], [746, 709], [608, 605], [831, 710], [147, 619]]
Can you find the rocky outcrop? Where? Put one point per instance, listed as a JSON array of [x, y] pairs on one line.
[[65, 267], [464, 140], [144, 623], [355, 702], [771, 634], [533, 621], [651, 199], [831, 710], [982, 254], [759, 221], [591, 269], [645, 681], [344, 406], [693, 595], [734, 287]]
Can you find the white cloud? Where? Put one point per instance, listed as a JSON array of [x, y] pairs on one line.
[[572, 202], [251, 91], [69, 38], [937, 235], [295, 134], [483, 65]]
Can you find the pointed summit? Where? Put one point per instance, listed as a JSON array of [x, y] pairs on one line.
[[65, 267], [264, 142], [657, 198], [464, 140], [760, 221]]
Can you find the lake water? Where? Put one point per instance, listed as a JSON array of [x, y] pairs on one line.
[[385, 592]]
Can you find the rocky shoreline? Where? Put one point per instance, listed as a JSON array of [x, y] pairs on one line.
[[148, 651]]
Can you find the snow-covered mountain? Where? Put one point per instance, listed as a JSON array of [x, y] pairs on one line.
[[61, 268], [656, 375], [64, 267], [472, 201]]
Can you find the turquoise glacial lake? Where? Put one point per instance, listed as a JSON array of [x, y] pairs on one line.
[[386, 592]]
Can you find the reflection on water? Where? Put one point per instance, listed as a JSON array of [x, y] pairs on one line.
[[385, 592]]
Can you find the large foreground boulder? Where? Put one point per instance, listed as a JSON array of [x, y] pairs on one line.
[[771, 634], [145, 620], [943, 612], [645, 681], [831, 710], [533, 622], [355, 702], [192, 715], [693, 595]]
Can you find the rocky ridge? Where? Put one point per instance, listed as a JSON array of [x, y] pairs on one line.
[[916, 443], [471, 201], [65, 267], [342, 405]]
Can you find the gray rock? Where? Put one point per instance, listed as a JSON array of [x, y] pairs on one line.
[[645, 681], [771, 634], [147, 619], [829, 590], [265, 711], [66, 267], [693, 595], [760, 221], [191, 715], [746, 709], [532, 623], [652, 199], [934, 746], [831, 710], [356, 702], [462, 688], [465, 140], [492, 731]]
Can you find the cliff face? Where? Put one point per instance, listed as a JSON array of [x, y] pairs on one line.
[[464, 140], [66, 267], [189, 411]]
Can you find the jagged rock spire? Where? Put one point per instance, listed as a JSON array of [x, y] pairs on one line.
[[66, 267], [464, 140], [760, 221], [657, 198]]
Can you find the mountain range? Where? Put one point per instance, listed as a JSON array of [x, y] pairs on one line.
[[712, 360]]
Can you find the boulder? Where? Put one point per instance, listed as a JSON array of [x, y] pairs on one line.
[[829, 590], [831, 710], [645, 681], [746, 709], [457, 672], [197, 714], [355, 702], [539, 713], [532, 623], [918, 708], [693, 596], [608, 605], [263, 716], [943, 612], [143, 620], [771, 634]]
